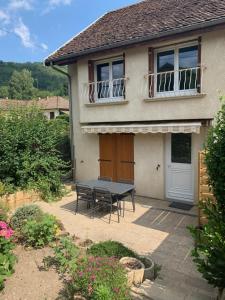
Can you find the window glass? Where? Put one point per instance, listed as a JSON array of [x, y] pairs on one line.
[[165, 70], [117, 76], [103, 80], [188, 59], [181, 148]]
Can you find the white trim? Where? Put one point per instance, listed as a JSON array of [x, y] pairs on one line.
[[145, 128], [176, 49]]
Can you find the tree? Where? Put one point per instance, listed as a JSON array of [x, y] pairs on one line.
[[21, 85], [209, 253], [4, 92], [29, 158]]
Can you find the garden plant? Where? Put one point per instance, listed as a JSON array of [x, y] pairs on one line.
[[29, 158], [209, 253]]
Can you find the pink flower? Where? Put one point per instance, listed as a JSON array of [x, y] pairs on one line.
[[3, 225]]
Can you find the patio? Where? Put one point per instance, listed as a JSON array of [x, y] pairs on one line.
[[154, 228]]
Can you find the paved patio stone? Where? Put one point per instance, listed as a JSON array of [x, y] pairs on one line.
[[153, 229]]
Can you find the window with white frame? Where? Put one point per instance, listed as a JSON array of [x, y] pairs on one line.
[[109, 79], [177, 70]]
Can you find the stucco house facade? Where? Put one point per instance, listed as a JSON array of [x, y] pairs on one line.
[[145, 82]]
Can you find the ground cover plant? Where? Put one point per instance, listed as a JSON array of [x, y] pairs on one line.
[[29, 158], [209, 253], [111, 249]]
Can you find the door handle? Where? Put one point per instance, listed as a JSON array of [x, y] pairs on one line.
[[128, 162]]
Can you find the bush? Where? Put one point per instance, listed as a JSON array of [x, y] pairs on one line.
[[111, 248], [100, 278], [29, 158], [7, 258], [65, 256], [3, 212], [24, 214], [209, 254], [39, 233]]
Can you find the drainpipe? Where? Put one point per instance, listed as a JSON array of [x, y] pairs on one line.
[[72, 146]]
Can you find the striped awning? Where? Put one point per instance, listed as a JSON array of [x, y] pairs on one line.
[[188, 127]]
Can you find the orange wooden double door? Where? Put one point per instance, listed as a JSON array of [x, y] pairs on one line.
[[117, 156]]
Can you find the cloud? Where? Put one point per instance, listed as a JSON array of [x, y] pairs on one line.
[[23, 32], [44, 46], [4, 17], [20, 4], [52, 4]]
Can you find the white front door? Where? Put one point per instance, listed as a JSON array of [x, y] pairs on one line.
[[179, 171]]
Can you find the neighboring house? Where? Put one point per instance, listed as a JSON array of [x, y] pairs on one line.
[[51, 106], [145, 83]]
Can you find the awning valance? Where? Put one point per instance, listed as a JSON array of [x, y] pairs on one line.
[[188, 127]]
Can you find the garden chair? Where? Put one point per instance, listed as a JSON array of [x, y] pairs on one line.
[[84, 193], [104, 198], [122, 197]]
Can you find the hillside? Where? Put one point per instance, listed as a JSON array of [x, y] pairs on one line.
[[45, 78]]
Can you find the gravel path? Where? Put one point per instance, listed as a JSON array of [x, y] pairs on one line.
[[29, 282]]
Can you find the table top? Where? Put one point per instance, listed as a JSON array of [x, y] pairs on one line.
[[114, 187]]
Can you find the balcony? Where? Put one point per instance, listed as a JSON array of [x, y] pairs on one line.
[[184, 82], [108, 91]]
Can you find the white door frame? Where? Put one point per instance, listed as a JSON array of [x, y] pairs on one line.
[[187, 197]]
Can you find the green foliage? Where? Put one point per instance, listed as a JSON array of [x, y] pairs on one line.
[[39, 233], [28, 155], [24, 214], [209, 253], [7, 258], [3, 211], [62, 127], [111, 249], [215, 159], [4, 91], [21, 85], [99, 278], [47, 82], [65, 256]]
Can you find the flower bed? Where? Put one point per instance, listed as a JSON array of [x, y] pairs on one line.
[[7, 258]]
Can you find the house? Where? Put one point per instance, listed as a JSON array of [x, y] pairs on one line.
[[51, 106], [145, 82]]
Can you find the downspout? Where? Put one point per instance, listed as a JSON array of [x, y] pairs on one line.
[[72, 146]]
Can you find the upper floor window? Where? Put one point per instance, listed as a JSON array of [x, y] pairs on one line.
[[176, 71], [109, 81]]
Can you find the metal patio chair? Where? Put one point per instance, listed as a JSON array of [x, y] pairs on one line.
[[122, 197], [84, 193], [104, 198]]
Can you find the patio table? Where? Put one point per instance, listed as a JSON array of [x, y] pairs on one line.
[[116, 188]]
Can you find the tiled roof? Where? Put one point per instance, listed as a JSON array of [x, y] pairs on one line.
[[146, 19], [48, 103]]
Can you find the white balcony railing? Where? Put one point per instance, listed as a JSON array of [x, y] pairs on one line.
[[105, 91], [175, 83]]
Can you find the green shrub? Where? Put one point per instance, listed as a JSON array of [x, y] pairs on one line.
[[100, 278], [7, 258], [3, 212], [29, 158], [111, 248], [39, 233], [24, 214], [65, 256]]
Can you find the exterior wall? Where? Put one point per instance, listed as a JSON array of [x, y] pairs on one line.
[[47, 113], [136, 61]]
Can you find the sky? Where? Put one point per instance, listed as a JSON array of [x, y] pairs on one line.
[[32, 29]]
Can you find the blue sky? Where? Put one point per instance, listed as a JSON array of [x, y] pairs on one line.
[[31, 29]]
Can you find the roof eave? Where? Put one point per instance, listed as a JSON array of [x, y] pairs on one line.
[[69, 58]]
